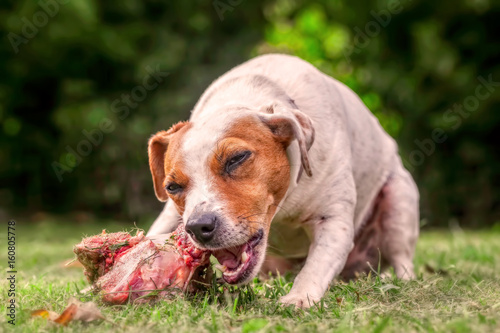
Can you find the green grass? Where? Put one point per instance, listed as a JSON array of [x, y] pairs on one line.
[[457, 290]]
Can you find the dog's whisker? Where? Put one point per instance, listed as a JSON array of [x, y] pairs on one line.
[[255, 215], [250, 214], [288, 214], [269, 246], [253, 224]]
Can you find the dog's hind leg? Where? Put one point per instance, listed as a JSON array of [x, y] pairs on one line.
[[366, 255], [400, 223], [389, 234]]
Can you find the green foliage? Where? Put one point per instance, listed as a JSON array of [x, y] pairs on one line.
[[410, 62]]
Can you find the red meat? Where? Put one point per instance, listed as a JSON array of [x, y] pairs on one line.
[[124, 267]]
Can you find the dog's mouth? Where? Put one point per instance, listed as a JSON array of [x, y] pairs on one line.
[[237, 263]]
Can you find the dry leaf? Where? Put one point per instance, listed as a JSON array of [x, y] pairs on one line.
[[87, 311], [76, 310], [50, 315], [67, 315]]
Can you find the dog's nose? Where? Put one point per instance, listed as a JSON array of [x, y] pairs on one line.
[[203, 228]]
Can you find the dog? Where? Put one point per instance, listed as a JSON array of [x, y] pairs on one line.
[[279, 157]]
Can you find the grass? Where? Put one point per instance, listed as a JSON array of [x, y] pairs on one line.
[[457, 290]]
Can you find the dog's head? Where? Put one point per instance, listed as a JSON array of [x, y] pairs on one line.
[[227, 176]]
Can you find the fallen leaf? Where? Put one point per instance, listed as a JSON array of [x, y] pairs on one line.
[[75, 310], [67, 315], [87, 311], [51, 315]]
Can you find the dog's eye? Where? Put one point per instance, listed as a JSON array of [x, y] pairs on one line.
[[236, 160], [173, 188]]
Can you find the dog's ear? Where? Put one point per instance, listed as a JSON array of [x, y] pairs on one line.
[[287, 124], [157, 147]]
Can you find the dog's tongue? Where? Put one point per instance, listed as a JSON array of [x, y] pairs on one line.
[[228, 258]]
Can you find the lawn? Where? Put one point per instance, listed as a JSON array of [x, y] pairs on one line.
[[457, 290]]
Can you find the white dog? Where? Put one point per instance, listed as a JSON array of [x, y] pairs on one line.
[[277, 153]]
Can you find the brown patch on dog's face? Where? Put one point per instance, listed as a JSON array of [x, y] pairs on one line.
[[250, 191], [166, 163]]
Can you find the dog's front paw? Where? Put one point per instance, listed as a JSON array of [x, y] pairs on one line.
[[300, 300]]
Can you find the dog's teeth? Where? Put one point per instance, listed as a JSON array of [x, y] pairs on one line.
[[244, 257], [220, 267]]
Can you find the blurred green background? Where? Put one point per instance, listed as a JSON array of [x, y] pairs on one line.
[[68, 66]]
